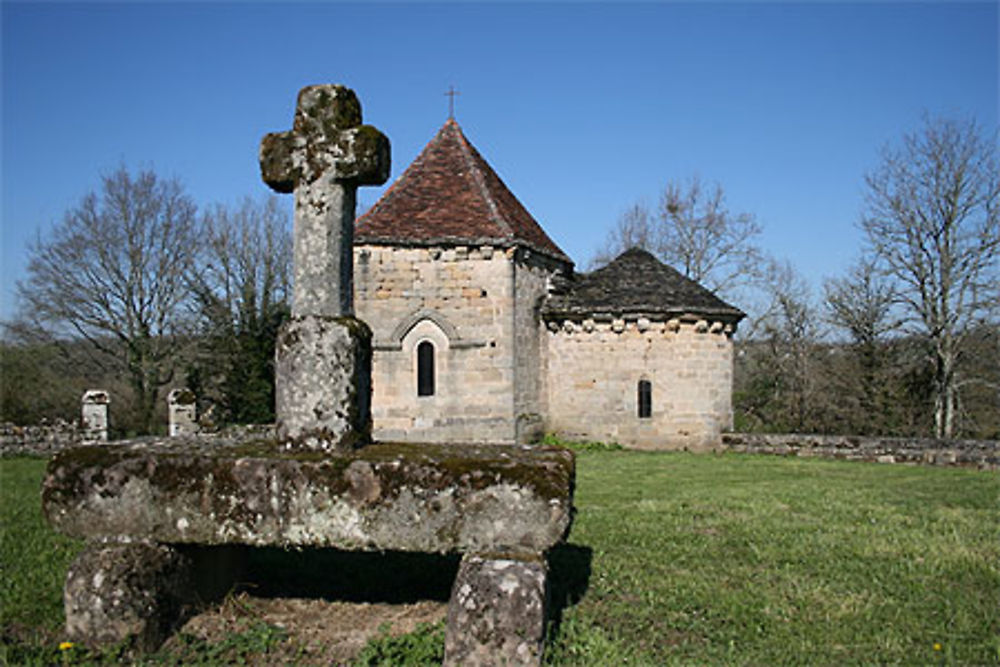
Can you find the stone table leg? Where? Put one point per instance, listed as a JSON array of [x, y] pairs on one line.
[[496, 615], [118, 592]]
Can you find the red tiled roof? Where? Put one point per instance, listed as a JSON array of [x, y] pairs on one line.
[[451, 196]]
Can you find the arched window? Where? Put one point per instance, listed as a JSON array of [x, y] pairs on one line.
[[645, 399], [425, 369]]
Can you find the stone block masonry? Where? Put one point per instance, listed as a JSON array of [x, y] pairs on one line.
[[477, 306], [687, 363]]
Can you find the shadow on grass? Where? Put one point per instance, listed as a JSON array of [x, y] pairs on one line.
[[569, 578]]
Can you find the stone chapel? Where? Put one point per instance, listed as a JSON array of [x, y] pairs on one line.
[[484, 333]]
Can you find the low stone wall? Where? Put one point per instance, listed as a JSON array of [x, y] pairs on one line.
[[40, 440], [49, 439], [982, 454]]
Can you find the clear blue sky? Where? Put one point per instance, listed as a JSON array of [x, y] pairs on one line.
[[581, 108]]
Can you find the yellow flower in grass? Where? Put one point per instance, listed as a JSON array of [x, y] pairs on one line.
[[937, 646], [65, 646]]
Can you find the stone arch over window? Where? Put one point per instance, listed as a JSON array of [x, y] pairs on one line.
[[644, 391], [425, 368], [427, 349], [414, 318]]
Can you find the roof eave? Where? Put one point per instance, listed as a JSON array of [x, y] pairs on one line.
[[447, 241], [634, 312]]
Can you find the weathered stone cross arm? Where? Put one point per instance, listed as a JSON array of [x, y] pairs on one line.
[[328, 140]]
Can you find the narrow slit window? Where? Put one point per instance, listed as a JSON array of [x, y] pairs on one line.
[[425, 369], [645, 399]]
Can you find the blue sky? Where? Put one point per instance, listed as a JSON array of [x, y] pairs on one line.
[[582, 108]]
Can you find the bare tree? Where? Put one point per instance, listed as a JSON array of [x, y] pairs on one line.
[[931, 221], [790, 330], [242, 289], [113, 272], [862, 304], [693, 231], [636, 228]]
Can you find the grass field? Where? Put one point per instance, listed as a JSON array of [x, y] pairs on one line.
[[687, 559]]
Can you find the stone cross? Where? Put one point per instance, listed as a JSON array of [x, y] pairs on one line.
[[323, 159], [323, 354]]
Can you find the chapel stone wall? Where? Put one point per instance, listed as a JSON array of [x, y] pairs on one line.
[[533, 273], [461, 300], [594, 368]]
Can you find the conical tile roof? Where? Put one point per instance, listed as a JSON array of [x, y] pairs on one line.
[[636, 282], [451, 196]]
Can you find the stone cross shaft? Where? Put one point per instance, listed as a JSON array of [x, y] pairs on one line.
[[323, 159]]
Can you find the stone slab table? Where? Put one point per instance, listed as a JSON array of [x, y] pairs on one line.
[[503, 507]]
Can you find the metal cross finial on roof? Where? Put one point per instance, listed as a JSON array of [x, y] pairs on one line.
[[451, 101]]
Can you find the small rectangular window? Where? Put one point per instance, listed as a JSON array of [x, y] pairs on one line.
[[425, 369], [645, 399]]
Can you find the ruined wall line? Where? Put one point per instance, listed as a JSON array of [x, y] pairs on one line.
[[982, 454]]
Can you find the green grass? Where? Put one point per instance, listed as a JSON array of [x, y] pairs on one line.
[[763, 560], [33, 559], [693, 559]]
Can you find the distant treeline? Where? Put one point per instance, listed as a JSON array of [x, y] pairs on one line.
[[882, 389]]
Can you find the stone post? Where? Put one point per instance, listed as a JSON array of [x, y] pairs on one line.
[[496, 614], [94, 415], [135, 591], [323, 355], [182, 412]]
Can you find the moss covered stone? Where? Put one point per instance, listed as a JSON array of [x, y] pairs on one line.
[[408, 497]]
